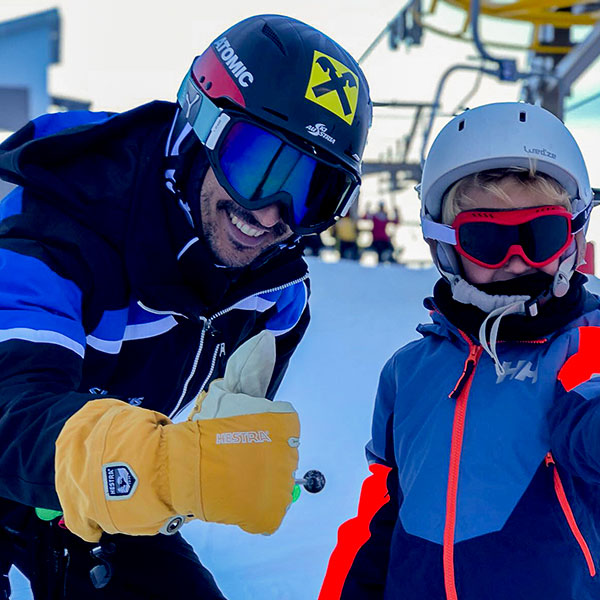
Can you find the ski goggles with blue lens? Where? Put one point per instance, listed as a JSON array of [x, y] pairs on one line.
[[258, 166]]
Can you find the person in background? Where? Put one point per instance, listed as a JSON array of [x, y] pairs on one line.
[[346, 235], [484, 455], [143, 256], [382, 242]]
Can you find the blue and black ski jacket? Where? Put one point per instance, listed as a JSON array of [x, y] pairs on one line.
[[483, 486], [97, 297]]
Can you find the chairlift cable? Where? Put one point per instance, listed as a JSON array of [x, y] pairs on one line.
[[381, 34]]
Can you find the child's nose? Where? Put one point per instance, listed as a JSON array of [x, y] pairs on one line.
[[516, 265]]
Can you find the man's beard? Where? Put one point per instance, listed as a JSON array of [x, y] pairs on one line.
[[230, 207]]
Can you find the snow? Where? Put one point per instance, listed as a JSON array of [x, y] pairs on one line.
[[360, 316]]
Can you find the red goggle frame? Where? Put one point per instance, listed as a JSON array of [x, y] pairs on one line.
[[489, 238]]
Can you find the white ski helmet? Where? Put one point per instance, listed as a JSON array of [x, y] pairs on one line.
[[496, 136]]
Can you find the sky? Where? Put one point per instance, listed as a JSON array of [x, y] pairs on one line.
[[122, 53]]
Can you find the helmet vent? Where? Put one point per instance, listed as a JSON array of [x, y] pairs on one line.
[[275, 113], [461, 124], [522, 116], [274, 38]]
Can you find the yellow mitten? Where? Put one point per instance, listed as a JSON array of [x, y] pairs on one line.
[[246, 434], [121, 468]]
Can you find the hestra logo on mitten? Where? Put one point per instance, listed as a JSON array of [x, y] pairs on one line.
[[120, 481], [243, 437]]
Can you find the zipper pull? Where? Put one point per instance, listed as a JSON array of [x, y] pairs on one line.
[[207, 326], [549, 460], [222, 350], [474, 353]]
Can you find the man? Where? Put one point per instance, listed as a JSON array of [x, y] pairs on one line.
[[139, 252]]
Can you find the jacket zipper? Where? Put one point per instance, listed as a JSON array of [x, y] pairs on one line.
[[566, 508], [207, 324], [460, 393], [219, 351]]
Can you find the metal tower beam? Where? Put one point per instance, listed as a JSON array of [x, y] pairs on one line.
[[570, 68]]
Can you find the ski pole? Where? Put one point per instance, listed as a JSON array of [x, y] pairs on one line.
[[313, 482]]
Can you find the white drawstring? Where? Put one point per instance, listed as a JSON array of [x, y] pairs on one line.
[[517, 308], [497, 307]]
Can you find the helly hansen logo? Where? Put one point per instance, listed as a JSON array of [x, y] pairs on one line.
[[521, 372], [231, 60], [120, 481], [243, 437]]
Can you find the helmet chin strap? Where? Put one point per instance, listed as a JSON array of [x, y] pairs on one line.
[[287, 244]]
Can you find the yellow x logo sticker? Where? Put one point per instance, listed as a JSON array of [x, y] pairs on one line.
[[333, 86]]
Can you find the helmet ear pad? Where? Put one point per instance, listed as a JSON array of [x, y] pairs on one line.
[[445, 258], [581, 247]]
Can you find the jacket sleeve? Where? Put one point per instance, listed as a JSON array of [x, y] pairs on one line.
[[358, 566], [44, 280], [574, 419]]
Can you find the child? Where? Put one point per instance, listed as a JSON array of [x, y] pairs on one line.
[[486, 432]]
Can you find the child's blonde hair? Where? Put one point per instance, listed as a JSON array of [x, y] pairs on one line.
[[457, 198]]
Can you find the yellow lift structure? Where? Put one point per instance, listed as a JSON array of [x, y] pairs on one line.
[[536, 12]]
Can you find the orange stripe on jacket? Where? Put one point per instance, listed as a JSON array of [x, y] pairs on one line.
[[353, 534], [585, 362]]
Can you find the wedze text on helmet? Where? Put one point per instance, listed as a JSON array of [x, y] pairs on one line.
[[541, 151], [230, 58]]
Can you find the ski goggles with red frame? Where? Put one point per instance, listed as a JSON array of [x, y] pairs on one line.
[[258, 166], [489, 238]]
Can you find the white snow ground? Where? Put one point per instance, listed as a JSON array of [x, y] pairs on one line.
[[361, 316]]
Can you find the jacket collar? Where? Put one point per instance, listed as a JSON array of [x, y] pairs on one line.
[[553, 316]]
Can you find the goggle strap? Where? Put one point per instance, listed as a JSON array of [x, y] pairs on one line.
[[579, 220], [353, 196], [202, 114], [438, 231], [216, 130]]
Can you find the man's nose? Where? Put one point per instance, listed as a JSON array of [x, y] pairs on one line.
[[268, 216]]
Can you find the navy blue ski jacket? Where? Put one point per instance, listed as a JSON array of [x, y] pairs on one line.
[[484, 486], [97, 297]]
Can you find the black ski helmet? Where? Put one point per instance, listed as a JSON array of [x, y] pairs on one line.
[[291, 76]]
